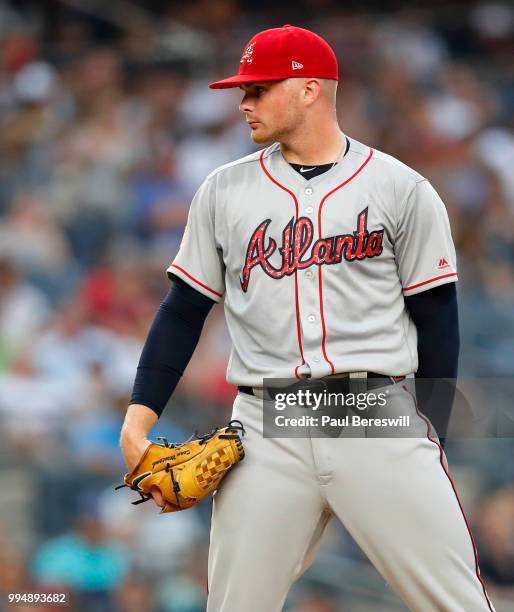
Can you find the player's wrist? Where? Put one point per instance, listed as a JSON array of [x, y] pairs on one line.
[[138, 422], [133, 448], [133, 437]]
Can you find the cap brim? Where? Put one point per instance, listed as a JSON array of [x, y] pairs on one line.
[[238, 79]]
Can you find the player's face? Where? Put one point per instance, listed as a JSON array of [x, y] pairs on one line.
[[272, 109]]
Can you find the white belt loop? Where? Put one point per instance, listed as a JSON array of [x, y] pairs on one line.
[[358, 382]]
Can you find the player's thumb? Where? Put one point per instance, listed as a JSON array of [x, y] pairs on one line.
[[157, 496]]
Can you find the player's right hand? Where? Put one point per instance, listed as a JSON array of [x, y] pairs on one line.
[[132, 450], [139, 420]]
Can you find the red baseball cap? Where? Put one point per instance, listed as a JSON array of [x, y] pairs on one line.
[[281, 53]]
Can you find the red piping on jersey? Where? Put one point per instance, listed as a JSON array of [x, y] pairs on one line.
[[430, 280], [452, 483], [320, 282], [297, 303], [196, 280]]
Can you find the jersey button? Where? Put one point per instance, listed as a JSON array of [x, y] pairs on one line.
[[308, 190], [311, 318], [315, 359], [309, 209], [308, 274]]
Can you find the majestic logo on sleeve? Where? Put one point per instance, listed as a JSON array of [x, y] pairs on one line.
[[297, 252]]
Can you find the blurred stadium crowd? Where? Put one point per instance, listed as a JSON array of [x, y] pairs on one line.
[[107, 128]]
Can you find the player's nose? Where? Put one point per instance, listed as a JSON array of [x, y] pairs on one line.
[[245, 106]]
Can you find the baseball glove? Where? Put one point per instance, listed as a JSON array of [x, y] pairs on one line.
[[186, 473]]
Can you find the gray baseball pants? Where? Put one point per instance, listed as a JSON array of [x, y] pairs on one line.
[[395, 496]]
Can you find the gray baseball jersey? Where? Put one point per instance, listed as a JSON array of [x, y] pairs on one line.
[[313, 272]]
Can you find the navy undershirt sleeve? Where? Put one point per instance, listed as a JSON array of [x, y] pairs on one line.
[[435, 314], [170, 344]]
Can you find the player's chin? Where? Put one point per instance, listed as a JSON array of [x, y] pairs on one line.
[[259, 135]]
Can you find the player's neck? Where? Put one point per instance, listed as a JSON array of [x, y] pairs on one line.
[[314, 146]]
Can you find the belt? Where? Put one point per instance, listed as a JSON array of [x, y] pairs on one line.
[[355, 382]]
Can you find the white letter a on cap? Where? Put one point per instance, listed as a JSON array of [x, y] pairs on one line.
[[296, 65]]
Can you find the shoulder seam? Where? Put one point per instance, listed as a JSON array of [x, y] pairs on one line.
[[393, 161], [238, 162], [362, 153]]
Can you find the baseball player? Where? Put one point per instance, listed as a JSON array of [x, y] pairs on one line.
[[335, 263]]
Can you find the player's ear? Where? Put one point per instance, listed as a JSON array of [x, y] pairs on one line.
[[311, 91]]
